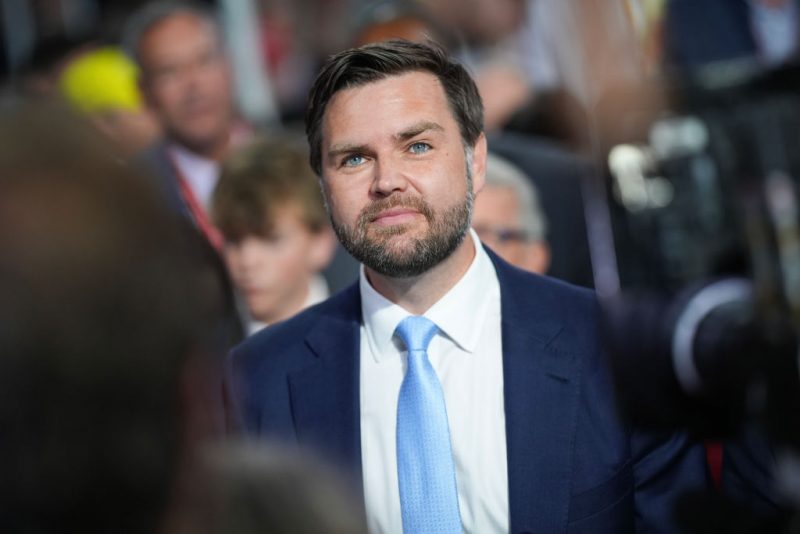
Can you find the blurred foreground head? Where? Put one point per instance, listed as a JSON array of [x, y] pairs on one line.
[[106, 302], [248, 487]]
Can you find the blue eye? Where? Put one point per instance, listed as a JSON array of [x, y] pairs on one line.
[[419, 148], [353, 161]]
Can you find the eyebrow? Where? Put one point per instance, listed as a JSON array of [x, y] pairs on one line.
[[346, 148], [408, 133], [417, 129]]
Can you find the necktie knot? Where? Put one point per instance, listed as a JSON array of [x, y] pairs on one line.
[[416, 332]]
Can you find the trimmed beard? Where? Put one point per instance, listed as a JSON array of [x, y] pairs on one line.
[[446, 231]]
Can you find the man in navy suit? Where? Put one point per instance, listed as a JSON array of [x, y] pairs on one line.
[[396, 136]]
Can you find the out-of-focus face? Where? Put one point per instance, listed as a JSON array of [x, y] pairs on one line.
[[186, 81], [483, 21], [408, 28], [395, 173], [497, 221], [273, 273]]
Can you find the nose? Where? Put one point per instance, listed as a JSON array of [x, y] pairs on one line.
[[247, 254], [388, 178]]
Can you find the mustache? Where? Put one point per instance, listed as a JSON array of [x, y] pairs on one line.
[[374, 209]]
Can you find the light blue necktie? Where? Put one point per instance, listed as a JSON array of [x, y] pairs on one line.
[[425, 468]]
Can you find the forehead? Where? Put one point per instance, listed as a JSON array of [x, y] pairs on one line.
[[386, 106], [497, 204], [174, 32]]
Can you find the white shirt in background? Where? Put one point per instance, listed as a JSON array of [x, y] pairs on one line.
[[200, 173]]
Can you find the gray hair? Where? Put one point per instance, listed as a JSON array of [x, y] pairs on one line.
[[150, 14], [502, 173]]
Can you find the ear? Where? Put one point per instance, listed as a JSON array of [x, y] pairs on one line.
[[479, 163], [323, 247]]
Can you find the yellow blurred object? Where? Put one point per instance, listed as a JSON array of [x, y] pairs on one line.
[[101, 80]]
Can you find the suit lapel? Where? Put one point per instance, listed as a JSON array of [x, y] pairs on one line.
[[541, 400], [540, 388], [325, 394]]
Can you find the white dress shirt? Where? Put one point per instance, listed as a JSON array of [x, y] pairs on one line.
[[201, 174], [467, 357]]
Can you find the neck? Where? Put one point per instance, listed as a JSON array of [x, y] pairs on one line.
[[417, 294], [214, 150]]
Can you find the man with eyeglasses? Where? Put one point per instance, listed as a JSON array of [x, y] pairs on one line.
[[509, 219]]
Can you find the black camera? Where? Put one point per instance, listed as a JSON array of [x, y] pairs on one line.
[[694, 226]]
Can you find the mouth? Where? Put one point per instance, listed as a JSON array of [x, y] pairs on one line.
[[394, 216], [199, 106], [249, 291]]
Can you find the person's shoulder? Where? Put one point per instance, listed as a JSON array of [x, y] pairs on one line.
[[154, 160], [563, 316], [153, 154], [544, 291]]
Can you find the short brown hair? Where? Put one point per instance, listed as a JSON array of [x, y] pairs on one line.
[[259, 179], [373, 62]]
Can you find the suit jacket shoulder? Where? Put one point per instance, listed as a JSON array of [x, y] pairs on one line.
[[297, 381], [155, 161], [593, 473], [282, 347], [557, 313]]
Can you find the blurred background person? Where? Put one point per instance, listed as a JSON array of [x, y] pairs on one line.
[[472, 33], [761, 32], [382, 20], [113, 325], [103, 83], [270, 210], [557, 176], [186, 80], [508, 218]]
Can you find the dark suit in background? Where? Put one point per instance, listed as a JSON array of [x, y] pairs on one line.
[[556, 174], [697, 32]]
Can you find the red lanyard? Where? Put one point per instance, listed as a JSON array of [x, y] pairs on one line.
[[199, 215]]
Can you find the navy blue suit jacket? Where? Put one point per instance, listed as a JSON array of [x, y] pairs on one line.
[[572, 466]]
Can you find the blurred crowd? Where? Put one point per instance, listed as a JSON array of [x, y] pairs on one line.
[[149, 220]]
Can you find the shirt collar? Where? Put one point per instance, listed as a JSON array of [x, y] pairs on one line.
[[186, 158], [472, 292], [200, 173]]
